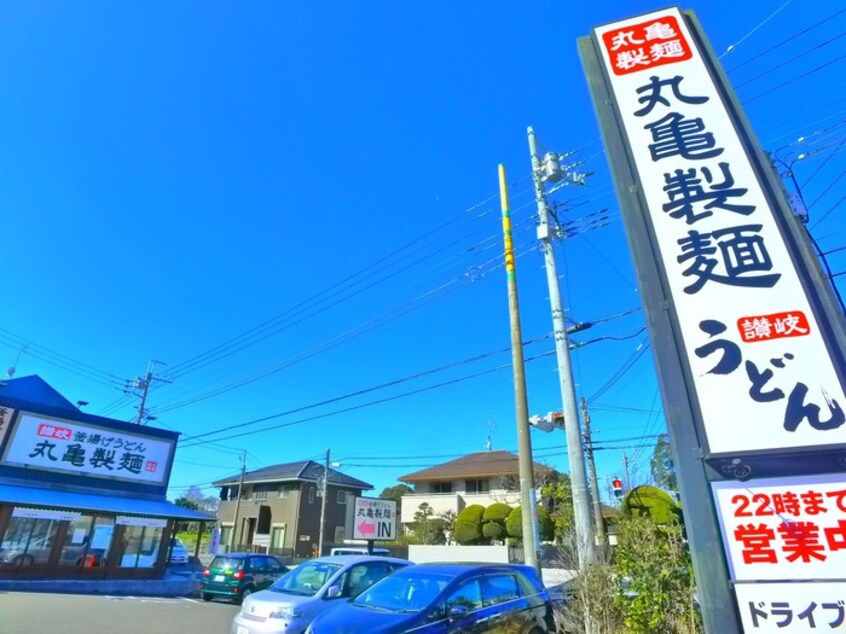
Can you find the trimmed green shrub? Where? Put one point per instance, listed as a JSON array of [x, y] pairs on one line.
[[514, 523], [468, 525], [497, 512], [493, 530], [652, 502]]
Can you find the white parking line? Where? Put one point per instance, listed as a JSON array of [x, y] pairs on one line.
[[190, 600]]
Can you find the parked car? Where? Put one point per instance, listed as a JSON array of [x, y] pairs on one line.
[[37, 551], [178, 552], [237, 575], [312, 588], [446, 598], [359, 550]]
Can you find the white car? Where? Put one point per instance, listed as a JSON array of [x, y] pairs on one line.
[[178, 552]]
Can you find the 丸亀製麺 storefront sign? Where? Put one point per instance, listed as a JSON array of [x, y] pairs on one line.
[[61, 445], [763, 372]]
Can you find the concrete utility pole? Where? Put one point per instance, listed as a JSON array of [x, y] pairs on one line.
[[594, 484], [578, 474], [144, 386], [626, 470], [524, 441], [324, 486], [238, 501]]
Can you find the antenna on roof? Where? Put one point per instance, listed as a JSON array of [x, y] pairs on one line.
[[11, 371], [491, 427]]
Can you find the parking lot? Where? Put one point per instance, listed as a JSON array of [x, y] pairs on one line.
[[25, 612]]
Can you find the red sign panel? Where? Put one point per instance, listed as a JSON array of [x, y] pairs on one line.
[[776, 530], [646, 45], [776, 326], [52, 431]]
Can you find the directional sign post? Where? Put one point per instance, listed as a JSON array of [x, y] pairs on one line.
[[375, 520]]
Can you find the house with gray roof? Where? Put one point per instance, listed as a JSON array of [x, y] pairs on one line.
[[279, 510], [483, 478]]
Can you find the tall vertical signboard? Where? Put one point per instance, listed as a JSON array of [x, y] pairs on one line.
[[748, 348]]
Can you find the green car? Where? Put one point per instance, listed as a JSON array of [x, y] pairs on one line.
[[238, 575]]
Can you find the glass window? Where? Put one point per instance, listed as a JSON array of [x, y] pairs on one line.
[[260, 493], [306, 579], [258, 564], [342, 497], [277, 537], [476, 486], [140, 547], [442, 487], [284, 490], [311, 495], [76, 542], [28, 541], [500, 588], [404, 592], [225, 534], [467, 596], [99, 542], [340, 534]]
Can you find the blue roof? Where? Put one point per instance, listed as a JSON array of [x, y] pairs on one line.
[[50, 498], [34, 389]]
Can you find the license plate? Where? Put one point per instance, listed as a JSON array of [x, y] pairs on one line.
[[243, 630], [223, 578]]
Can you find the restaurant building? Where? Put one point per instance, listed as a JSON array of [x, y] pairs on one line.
[[81, 496]]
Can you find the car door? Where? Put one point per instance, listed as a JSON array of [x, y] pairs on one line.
[[463, 609], [257, 570], [268, 567], [507, 611]]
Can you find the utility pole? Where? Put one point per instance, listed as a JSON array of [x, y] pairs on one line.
[[578, 474], [524, 441], [594, 484], [323, 488], [238, 501], [626, 470], [144, 386]]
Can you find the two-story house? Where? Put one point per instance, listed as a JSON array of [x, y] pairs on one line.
[[478, 478], [280, 507]]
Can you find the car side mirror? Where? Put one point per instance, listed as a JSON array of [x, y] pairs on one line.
[[457, 613], [333, 592]]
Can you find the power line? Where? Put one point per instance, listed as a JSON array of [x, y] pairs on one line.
[[795, 79], [792, 59], [787, 40], [732, 47]]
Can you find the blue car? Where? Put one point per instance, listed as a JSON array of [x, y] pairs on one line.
[[446, 598]]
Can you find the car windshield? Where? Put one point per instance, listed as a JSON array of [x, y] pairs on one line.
[[306, 579], [227, 563], [403, 592]]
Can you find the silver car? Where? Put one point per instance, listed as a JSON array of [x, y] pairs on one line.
[[310, 589]]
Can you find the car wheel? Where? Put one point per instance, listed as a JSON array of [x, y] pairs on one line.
[[246, 592], [23, 560], [207, 596]]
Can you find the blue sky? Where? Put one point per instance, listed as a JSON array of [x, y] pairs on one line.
[[173, 175]]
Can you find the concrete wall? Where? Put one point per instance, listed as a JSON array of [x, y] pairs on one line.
[[477, 554]]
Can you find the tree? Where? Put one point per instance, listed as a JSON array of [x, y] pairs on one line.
[[655, 503], [557, 498], [662, 467], [427, 528], [653, 559], [395, 493]]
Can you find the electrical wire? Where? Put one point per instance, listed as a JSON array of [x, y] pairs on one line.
[[783, 41], [732, 47], [792, 59], [794, 79]]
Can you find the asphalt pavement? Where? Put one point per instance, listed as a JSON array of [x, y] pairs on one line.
[[42, 613]]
